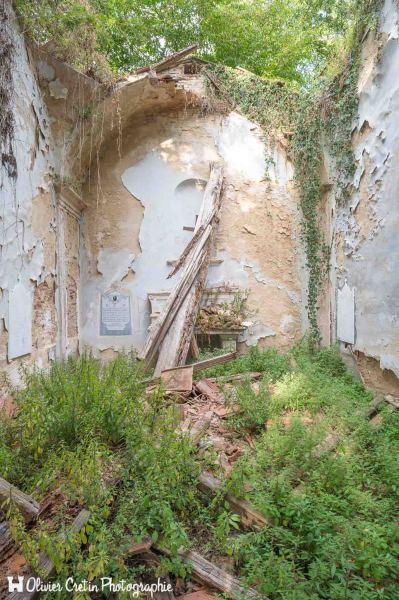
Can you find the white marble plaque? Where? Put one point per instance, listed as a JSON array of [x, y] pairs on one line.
[[115, 314], [346, 315], [20, 321]]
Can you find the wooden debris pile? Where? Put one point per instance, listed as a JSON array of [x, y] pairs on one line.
[[170, 336], [218, 316]]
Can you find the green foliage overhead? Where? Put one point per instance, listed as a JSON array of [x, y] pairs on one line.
[[275, 39]]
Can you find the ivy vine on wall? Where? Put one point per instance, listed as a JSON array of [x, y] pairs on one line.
[[7, 123], [309, 119]]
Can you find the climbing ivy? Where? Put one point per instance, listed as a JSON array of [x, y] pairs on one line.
[[7, 123], [308, 120]]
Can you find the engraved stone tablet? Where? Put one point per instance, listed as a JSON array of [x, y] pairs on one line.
[[346, 314], [115, 314], [20, 321]]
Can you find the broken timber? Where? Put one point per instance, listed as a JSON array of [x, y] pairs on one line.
[[169, 61], [140, 547], [211, 576], [171, 334], [332, 440], [211, 362], [26, 504], [250, 517], [200, 365], [46, 565]]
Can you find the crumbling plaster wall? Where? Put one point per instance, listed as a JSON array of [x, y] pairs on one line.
[[138, 203], [39, 244], [27, 242], [366, 251]]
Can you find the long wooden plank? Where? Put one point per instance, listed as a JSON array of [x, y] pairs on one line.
[[26, 504], [177, 297], [171, 333], [251, 376], [212, 362], [199, 366], [250, 517], [46, 565], [169, 61], [392, 401], [332, 440], [140, 547], [211, 576]]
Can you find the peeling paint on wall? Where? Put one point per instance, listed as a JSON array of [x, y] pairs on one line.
[[367, 242], [22, 261], [164, 169]]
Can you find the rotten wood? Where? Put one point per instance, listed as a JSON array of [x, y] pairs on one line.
[[7, 544], [211, 576], [151, 560], [220, 88], [212, 362], [171, 343], [194, 347], [327, 445], [26, 504], [199, 428], [179, 379], [169, 61], [199, 366], [140, 547], [332, 440], [175, 300], [46, 565], [175, 347], [253, 376], [374, 406], [250, 517], [392, 401], [209, 389]]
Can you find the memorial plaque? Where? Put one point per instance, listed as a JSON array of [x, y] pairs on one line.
[[20, 321], [115, 314]]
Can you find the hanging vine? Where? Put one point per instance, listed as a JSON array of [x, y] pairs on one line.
[[7, 123], [304, 118]]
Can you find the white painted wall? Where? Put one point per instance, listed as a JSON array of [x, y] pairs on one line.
[[21, 255], [369, 224]]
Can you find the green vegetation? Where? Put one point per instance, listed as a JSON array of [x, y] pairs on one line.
[[273, 39], [89, 435], [336, 534], [302, 60], [315, 118]]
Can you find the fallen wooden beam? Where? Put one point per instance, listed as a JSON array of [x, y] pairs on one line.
[[250, 517], [140, 547], [392, 401], [373, 407], [211, 576], [211, 362], [169, 61], [172, 342], [199, 428], [199, 366], [7, 543], [327, 445], [252, 376], [26, 504], [332, 440], [208, 388], [174, 302], [46, 565], [179, 379]]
